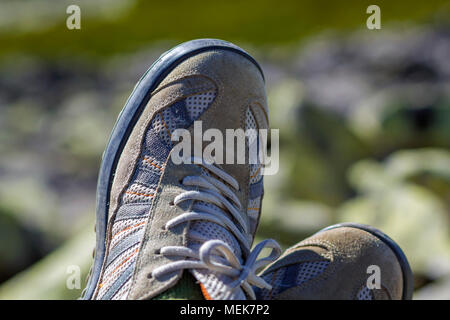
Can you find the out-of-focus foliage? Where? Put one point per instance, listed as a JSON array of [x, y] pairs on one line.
[[364, 119], [60, 275], [413, 214], [111, 27]]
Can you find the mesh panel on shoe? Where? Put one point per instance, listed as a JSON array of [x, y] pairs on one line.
[[210, 231], [255, 172], [250, 121], [169, 121], [159, 126], [251, 128], [275, 280], [310, 270], [138, 193], [166, 121], [253, 212], [291, 276], [364, 294], [136, 200], [196, 104]]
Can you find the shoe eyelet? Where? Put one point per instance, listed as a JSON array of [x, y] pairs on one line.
[[171, 203], [157, 251], [149, 276]]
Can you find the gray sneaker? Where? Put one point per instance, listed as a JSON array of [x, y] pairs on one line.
[[341, 262], [167, 230]]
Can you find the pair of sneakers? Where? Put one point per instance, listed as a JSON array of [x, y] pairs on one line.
[[184, 229]]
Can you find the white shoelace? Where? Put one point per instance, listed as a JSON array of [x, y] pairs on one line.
[[216, 255]]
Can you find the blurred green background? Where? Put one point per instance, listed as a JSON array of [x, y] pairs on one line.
[[364, 118]]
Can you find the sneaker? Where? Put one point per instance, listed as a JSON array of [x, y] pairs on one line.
[[341, 262], [182, 231]]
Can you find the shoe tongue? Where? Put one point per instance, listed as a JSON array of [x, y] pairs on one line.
[[216, 285]]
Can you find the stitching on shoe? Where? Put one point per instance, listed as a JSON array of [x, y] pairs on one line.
[[148, 160]]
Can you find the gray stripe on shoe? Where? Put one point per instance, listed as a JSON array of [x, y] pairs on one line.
[[117, 285], [124, 245], [132, 211], [256, 190]]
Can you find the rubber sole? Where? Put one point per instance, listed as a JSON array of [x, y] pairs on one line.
[[125, 123], [408, 279]]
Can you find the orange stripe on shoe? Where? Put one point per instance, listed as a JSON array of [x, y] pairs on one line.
[[128, 228], [152, 163], [204, 292], [164, 124], [256, 173], [272, 283], [140, 194], [124, 261]]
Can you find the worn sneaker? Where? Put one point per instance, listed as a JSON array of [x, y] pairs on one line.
[[341, 262], [182, 231]]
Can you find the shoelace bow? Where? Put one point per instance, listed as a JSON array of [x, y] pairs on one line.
[[217, 255]]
